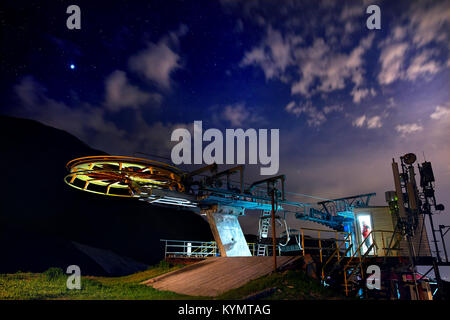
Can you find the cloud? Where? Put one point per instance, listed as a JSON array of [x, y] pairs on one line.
[[335, 108], [236, 114], [159, 61], [427, 23], [374, 122], [359, 122], [315, 117], [273, 55], [440, 113], [370, 122], [349, 12], [408, 128], [391, 103], [332, 61], [430, 22], [392, 59], [283, 58], [29, 91], [292, 108], [120, 94], [422, 65], [320, 62], [359, 94], [85, 121], [90, 124]]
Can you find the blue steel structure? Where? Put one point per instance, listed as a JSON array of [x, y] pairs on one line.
[[215, 193], [337, 213], [208, 192]]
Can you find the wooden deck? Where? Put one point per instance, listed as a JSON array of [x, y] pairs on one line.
[[216, 275]]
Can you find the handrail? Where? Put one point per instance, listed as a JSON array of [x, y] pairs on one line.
[[337, 252], [319, 239], [194, 249], [361, 258], [193, 241], [373, 232], [358, 250], [200, 248], [383, 240], [203, 249], [323, 230], [319, 231]]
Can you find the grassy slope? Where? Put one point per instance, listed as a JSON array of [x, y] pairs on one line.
[[289, 285], [41, 286]]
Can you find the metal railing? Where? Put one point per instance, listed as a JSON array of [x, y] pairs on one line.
[[190, 249], [361, 259], [341, 237], [362, 256], [203, 249], [382, 233]]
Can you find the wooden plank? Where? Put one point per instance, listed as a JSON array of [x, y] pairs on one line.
[[216, 275]]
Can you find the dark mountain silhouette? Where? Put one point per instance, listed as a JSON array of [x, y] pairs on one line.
[[41, 217]]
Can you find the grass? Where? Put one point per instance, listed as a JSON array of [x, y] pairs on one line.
[[291, 285], [52, 285]]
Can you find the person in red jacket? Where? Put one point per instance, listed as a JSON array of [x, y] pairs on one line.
[[365, 233]]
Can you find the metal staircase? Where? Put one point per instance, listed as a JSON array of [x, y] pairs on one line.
[[354, 270], [350, 267]]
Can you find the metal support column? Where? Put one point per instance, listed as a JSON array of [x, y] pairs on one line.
[[274, 239]]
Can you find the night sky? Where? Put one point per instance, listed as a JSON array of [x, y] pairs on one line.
[[345, 98]]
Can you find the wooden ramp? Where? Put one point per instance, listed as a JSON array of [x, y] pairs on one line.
[[216, 275]]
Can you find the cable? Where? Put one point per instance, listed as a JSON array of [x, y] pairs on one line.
[[305, 195], [287, 235], [297, 239]]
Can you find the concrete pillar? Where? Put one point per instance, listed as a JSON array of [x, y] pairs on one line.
[[227, 231]]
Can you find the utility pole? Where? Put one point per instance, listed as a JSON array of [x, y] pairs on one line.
[[274, 239]]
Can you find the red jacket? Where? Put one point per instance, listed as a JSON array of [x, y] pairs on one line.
[[365, 231]]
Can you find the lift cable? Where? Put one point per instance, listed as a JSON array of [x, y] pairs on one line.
[[306, 195]]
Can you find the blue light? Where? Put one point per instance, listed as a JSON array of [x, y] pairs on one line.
[[72, 66]]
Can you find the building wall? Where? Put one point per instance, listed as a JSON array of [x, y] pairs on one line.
[[382, 220], [382, 225]]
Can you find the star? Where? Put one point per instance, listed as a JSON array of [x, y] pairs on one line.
[[72, 66]]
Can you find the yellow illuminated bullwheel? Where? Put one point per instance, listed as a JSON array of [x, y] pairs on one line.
[[122, 176]]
